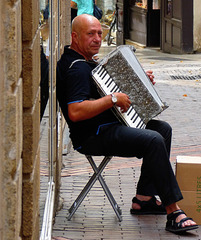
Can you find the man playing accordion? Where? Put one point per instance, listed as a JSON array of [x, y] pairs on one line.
[[94, 130]]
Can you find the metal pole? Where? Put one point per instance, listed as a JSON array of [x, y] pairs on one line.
[[51, 147]]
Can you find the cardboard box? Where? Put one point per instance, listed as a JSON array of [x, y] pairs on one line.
[[188, 174]]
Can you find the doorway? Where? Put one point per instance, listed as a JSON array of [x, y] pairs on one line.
[[142, 20], [177, 26]]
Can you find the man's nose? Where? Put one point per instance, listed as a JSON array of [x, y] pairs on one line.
[[97, 37]]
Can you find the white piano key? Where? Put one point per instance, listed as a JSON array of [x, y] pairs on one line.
[[105, 79], [141, 125], [133, 116], [137, 120], [110, 86], [132, 112], [114, 89]]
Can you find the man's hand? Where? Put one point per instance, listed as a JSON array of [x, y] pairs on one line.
[[123, 101], [150, 76]]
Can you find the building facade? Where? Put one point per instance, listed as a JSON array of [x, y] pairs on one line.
[[172, 25]]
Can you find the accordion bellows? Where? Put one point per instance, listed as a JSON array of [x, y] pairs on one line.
[[120, 71]]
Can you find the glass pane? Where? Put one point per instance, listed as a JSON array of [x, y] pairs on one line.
[[44, 103]]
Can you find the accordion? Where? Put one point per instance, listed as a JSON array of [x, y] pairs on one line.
[[120, 71]]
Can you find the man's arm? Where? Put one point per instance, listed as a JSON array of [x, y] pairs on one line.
[[87, 109]]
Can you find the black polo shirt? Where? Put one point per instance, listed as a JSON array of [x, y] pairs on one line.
[[75, 84]]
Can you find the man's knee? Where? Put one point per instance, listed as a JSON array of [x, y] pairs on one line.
[[161, 127], [157, 140], [167, 126]]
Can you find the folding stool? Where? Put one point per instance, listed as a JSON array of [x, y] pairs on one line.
[[97, 175]]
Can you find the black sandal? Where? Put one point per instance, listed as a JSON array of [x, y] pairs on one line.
[[148, 207], [174, 227]]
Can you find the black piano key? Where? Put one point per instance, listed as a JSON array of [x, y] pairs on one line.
[[109, 79], [105, 73], [129, 110], [110, 82], [134, 116], [102, 72], [99, 70]]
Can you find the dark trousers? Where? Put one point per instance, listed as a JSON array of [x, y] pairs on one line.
[[152, 144]]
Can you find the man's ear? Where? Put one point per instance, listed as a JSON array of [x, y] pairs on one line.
[[74, 36]]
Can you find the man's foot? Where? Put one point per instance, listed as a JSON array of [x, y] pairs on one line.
[[178, 222], [147, 206]]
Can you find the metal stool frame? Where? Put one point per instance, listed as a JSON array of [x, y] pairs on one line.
[[97, 175]]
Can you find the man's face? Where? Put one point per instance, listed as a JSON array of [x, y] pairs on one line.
[[89, 39]]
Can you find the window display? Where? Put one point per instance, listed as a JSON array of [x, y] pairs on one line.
[[143, 4]]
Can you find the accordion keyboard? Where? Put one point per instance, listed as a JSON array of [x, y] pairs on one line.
[[108, 86]]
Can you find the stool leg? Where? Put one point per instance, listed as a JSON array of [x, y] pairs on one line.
[[110, 198], [105, 187], [87, 188], [82, 195]]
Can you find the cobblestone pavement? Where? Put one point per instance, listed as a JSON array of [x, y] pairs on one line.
[[178, 80]]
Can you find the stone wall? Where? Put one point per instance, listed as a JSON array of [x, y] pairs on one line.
[[2, 158], [20, 114], [11, 115]]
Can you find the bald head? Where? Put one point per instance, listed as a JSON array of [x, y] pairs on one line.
[[86, 35], [82, 21]]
